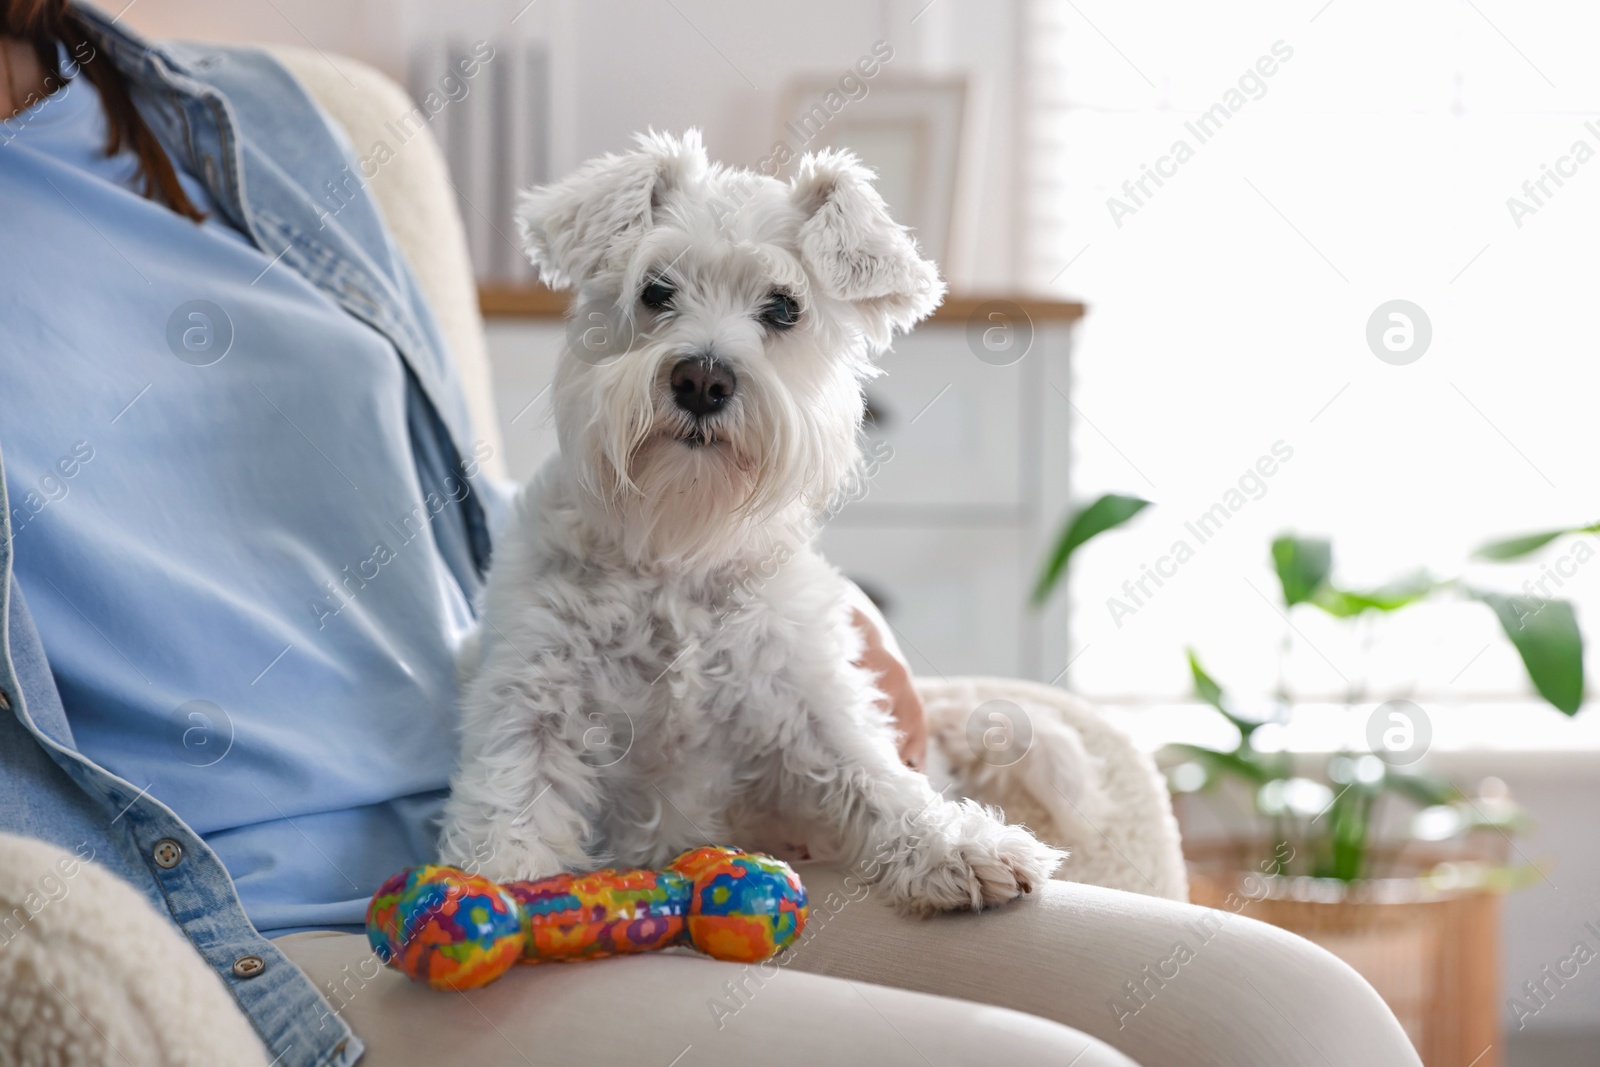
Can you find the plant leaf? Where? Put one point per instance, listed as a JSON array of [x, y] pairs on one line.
[[1525, 544], [1207, 689], [1345, 603], [1303, 565], [1516, 547], [1426, 791], [1106, 513], [1242, 764], [1546, 635], [1350, 832]]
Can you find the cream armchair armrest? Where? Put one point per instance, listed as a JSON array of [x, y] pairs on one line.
[[1118, 824], [89, 973]]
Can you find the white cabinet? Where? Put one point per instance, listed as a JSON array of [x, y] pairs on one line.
[[522, 359], [951, 592], [953, 526], [956, 425]]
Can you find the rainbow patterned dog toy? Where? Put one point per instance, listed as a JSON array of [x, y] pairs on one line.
[[455, 930]]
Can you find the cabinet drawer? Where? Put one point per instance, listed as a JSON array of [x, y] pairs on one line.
[[955, 424], [955, 596]]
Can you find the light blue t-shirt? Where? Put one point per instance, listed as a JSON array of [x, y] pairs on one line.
[[232, 523]]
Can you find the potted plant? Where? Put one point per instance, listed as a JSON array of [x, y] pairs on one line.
[[1396, 871]]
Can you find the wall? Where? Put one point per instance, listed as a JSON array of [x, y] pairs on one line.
[[619, 66]]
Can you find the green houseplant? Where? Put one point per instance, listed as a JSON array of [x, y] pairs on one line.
[[1408, 895], [1331, 823]]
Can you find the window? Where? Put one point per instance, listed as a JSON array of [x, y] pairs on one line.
[[1235, 190]]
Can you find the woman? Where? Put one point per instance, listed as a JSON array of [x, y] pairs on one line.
[[245, 522]]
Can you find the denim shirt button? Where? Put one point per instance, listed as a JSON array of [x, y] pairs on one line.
[[167, 853], [249, 966]]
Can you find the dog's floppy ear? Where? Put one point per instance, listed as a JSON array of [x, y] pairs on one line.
[[587, 223], [854, 251]]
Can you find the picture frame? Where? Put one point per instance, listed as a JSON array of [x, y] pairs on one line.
[[913, 130]]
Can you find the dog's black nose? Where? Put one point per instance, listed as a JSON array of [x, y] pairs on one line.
[[701, 385]]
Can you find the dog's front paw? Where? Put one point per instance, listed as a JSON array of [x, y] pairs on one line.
[[517, 861], [971, 862], [500, 857]]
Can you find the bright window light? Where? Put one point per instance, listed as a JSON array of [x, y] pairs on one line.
[[1236, 190]]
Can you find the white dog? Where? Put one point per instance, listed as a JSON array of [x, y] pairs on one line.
[[665, 661]]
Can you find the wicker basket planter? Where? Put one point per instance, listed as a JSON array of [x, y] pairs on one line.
[[1431, 951]]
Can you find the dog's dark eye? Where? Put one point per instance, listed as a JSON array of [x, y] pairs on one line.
[[657, 296], [781, 311]]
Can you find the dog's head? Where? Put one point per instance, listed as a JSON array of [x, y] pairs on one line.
[[724, 324]]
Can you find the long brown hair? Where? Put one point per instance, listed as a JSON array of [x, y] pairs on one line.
[[43, 23]]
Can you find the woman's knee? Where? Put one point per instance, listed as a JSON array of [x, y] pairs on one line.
[[1269, 995]]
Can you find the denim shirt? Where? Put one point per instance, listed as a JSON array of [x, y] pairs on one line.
[[235, 119]]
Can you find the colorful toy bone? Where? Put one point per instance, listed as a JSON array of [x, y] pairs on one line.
[[455, 930]]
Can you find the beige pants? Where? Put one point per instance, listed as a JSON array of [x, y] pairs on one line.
[[1073, 976]]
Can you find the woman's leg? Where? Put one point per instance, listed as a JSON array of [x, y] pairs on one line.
[[1168, 984], [670, 1010]]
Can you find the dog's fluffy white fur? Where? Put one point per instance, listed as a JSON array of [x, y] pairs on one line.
[[665, 661]]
